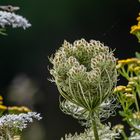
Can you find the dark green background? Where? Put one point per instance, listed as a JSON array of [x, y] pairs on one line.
[[53, 21]]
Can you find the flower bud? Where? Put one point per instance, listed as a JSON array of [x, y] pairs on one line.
[[89, 69]]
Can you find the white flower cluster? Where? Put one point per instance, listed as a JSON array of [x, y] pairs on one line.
[[105, 133], [11, 19], [18, 121], [134, 136]]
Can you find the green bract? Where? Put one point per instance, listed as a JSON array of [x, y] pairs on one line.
[[84, 72]]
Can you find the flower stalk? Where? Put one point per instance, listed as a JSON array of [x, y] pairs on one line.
[[94, 127], [85, 74]]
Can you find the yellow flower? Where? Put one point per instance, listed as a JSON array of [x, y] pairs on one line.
[[136, 115], [131, 84], [121, 61], [127, 61], [134, 79], [131, 60], [134, 29], [3, 107], [138, 61], [137, 69], [1, 100], [17, 109], [128, 89], [129, 97], [138, 18], [25, 109], [119, 89]]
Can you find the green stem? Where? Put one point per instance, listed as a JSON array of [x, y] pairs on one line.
[[124, 73], [136, 101], [138, 90], [94, 127], [124, 135]]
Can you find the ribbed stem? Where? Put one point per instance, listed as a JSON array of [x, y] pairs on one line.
[[94, 128], [136, 102]]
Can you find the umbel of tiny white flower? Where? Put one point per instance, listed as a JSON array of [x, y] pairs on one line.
[[105, 133], [84, 72], [14, 20], [11, 125]]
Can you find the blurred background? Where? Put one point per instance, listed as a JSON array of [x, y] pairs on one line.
[[24, 53]]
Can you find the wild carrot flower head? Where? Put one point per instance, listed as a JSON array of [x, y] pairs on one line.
[[84, 72]]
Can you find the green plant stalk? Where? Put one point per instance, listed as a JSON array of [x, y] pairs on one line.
[[138, 90], [124, 73], [136, 101], [124, 135], [94, 127]]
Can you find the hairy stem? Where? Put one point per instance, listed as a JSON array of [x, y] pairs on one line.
[[94, 127]]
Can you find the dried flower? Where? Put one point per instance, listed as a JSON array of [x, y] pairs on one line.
[[84, 72]]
